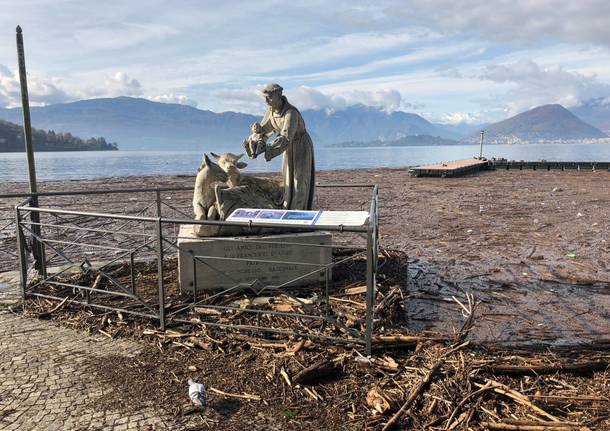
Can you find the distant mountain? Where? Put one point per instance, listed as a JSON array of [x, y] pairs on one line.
[[406, 141], [143, 124], [140, 123], [543, 123], [361, 123], [458, 131], [11, 140], [595, 112]]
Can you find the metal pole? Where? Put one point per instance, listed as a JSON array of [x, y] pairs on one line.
[[160, 275], [370, 292], [158, 199], [132, 273], [481, 151], [37, 249], [23, 261]]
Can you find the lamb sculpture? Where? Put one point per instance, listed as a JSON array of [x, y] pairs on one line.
[[221, 188]]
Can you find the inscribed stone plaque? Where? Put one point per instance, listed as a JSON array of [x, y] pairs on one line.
[[264, 260]]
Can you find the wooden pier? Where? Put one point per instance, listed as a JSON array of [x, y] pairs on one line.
[[454, 168], [459, 168]]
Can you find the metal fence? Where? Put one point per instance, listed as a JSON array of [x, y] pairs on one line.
[[111, 259]]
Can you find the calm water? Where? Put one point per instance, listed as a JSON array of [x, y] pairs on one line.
[[95, 164]]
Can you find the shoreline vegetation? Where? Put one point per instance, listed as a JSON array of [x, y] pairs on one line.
[[12, 141]]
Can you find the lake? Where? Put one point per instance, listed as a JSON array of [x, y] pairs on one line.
[[96, 164]]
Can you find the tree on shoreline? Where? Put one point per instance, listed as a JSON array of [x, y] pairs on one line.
[[11, 140]]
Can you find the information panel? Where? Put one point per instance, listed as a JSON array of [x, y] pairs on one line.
[[301, 218]]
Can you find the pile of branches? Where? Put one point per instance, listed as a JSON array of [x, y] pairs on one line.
[[412, 381]]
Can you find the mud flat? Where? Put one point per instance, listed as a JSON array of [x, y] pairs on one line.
[[531, 246]]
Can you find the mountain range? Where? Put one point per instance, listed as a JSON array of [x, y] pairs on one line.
[[595, 112], [143, 124], [543, 123]]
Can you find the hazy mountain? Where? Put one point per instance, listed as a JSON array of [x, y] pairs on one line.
[[547, 123], [140, 123], [460, 130], [361, 123], [595, 112], [143, 124], [11, 140], [405, 141]]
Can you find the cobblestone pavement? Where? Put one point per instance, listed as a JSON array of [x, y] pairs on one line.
[[45, 383]]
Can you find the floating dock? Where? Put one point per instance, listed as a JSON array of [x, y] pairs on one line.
[[454, 168], [459, 168]]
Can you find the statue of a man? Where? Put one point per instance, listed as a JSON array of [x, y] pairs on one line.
[[293, 141]]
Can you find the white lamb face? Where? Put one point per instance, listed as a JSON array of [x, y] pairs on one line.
[[229, 161]]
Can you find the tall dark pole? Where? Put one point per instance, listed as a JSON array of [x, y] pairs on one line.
[[37, 249], [481, 151]]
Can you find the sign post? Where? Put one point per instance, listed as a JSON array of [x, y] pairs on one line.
[[37, 249]]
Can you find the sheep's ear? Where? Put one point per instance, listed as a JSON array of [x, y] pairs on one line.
[[206, 160], [216, 156], [241, 165], [239, 157]]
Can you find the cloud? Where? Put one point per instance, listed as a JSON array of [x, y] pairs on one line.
[[461, 118], [522, 21], [310, 98], [121, 35], [248, 100], [251, 101], [174, 98], [40, 91], [532, 85], [121, 84]]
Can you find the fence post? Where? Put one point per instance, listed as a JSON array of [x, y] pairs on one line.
[[160, 274], [158, 198], [23, 263], [370, 292], [372, 244]]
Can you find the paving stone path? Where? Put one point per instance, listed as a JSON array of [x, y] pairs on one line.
[[45, 383]]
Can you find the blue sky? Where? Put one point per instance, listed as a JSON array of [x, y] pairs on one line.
[[467, 61]]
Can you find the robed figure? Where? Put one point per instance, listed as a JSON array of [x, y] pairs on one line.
[[292, 141]]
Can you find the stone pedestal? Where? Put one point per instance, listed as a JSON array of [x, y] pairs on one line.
[[216, 271]]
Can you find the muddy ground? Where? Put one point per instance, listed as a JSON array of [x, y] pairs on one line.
[[532, 246]]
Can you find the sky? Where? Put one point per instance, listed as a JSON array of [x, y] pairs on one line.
[[451, 62]]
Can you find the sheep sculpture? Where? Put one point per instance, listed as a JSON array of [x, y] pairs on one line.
[[220, 188]]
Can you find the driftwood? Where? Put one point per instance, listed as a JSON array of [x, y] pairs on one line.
[[411, 340], [415, 393], [244, 396], [459, 338], [528, 426], [519, 398], [574, 368]]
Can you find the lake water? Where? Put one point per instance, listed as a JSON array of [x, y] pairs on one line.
[[96, 164]]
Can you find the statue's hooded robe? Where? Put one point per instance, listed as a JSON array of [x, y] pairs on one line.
[[298, 163]]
